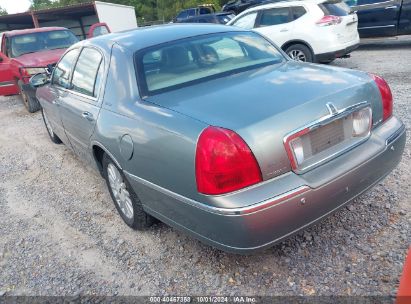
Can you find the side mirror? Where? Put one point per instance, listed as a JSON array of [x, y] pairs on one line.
[[39, 80]]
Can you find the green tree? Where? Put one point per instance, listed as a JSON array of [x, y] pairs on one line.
[[3, 11]]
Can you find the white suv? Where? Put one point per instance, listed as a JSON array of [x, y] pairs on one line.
[[311, 30]]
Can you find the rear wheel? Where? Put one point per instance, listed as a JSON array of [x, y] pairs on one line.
[[125, 199], [54, 138], [299, 52], [31, 103]]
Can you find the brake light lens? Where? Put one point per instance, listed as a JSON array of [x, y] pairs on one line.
[[386, 96], [329, 20], [224, 163]]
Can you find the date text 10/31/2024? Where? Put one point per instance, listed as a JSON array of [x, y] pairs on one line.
[[202, 299]]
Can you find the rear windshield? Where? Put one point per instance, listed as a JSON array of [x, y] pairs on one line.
[[223, 19], [40, 41], [335, 8], [198, 59]]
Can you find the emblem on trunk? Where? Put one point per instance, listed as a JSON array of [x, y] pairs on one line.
[[333, 110]]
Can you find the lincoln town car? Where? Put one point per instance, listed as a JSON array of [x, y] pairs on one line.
[[214, 131]]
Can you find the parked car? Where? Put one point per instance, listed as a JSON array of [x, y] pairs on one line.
[[204, 9], [313, 31], [378, 18], [220, 18], [238, 6], [28, 52], [273, 147]]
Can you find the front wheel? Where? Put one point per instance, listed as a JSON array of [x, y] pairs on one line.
[[125, 199], [31, 103], [299, 52]]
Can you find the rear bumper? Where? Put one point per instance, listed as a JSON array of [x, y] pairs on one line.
[[320, 192], [325, 57]]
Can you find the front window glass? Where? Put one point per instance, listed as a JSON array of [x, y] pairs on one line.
[[62, 72], [247, 22], [86, 76], [202, 58], [41, 41]]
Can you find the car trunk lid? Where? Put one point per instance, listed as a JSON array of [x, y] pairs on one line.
[[264, 105]]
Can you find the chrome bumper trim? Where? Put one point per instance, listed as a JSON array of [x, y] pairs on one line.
[[224, 211]]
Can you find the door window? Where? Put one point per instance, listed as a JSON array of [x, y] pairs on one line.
[[275, 16], [87, 73], [62, 72], [246, 22], [298, 11]]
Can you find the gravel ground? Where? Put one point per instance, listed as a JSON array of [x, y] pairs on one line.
[[60, 233]]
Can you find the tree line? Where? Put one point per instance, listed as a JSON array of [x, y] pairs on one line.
[[146, 10]]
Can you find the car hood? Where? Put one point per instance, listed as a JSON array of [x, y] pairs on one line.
[[266, 104], [41, 58]]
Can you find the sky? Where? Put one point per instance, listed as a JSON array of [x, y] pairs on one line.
[[15, 6]]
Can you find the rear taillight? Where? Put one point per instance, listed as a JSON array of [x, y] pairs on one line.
[[224, 162], [329, 20], [386, 96]]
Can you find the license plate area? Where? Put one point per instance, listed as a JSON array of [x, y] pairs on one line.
[[321, 142]]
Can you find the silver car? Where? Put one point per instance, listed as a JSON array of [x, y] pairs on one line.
[[214, 131]]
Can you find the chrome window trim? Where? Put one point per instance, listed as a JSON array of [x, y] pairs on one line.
[[334, 115]]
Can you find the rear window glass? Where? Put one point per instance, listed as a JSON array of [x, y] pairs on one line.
[[335, 8], [199, 59], [275, 16], [298, 11]]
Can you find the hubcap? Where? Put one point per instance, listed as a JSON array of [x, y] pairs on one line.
[[48, 125], [120, 192], [297, 55]]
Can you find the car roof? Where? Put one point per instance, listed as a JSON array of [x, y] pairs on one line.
[[33, 30], [141, 38], [281, 4]]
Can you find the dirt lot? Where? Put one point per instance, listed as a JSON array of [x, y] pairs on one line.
[[60, 233]]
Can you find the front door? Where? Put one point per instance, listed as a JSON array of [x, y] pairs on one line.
[[50, 95], [377, 17], [80, 107], [7, 83]]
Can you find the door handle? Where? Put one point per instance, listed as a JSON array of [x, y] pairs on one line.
[[88, 116], [283, 30], [391, 7]]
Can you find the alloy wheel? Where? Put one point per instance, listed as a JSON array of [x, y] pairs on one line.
[[120, 192], [297, 55]]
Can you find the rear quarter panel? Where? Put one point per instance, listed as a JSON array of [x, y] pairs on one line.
[[164, 141]]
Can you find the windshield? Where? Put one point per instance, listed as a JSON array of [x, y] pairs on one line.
[[40, 41], [197, 59]]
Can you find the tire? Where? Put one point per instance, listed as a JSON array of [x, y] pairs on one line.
[[300, 52], [130, 208], [54, 138], [31, 103]]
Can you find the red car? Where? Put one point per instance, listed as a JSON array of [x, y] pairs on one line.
[[28, 52]]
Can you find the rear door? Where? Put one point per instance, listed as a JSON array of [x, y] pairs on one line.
[[377, 17], [276, 24], [80, 107]]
